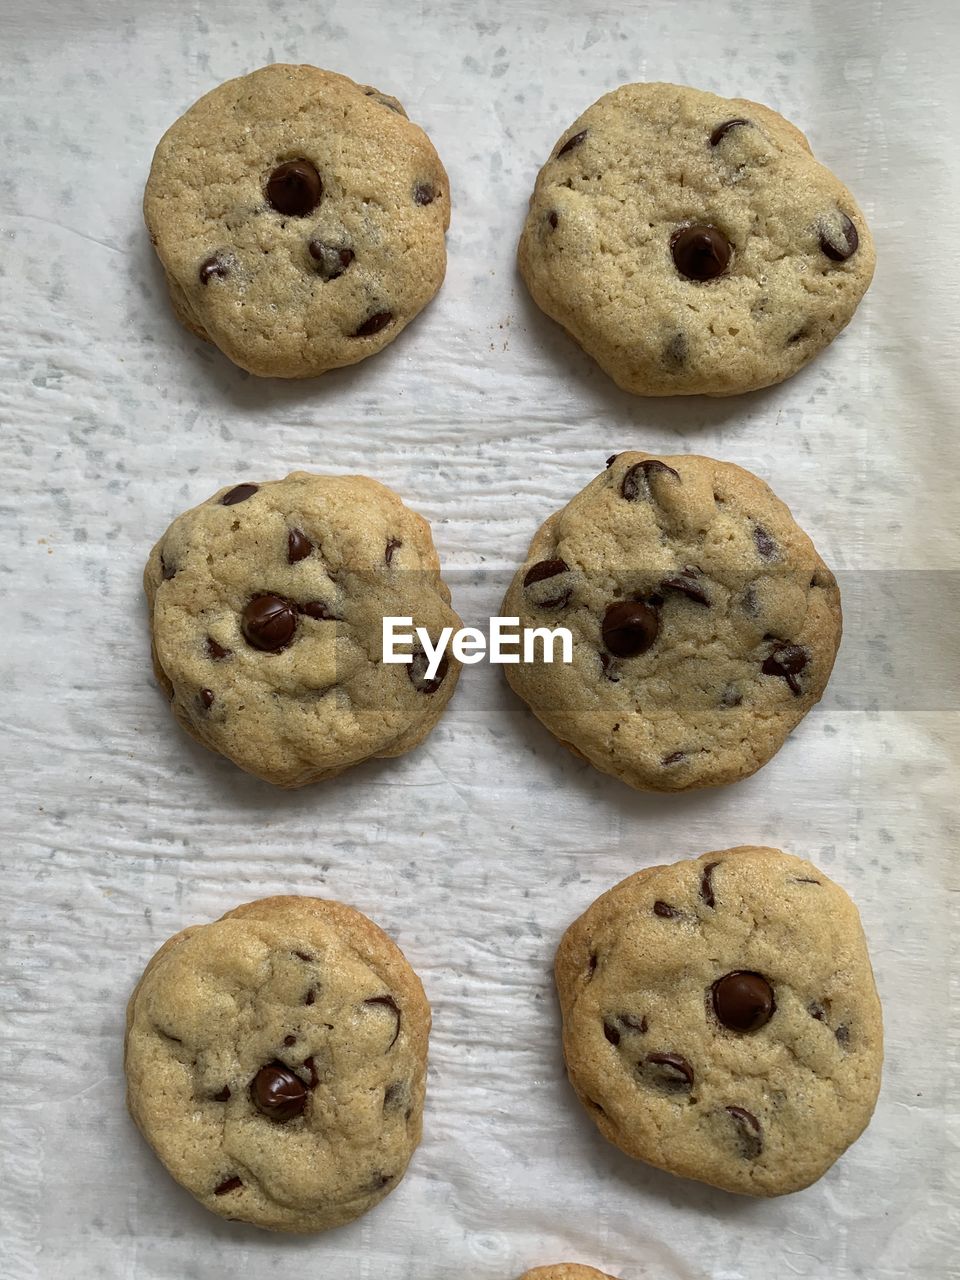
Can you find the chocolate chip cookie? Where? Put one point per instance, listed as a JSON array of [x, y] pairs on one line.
[[276, 1062], [704, 623], [267, 604], [300, 219], [720, 1019], [692, 244], [566, 1271]]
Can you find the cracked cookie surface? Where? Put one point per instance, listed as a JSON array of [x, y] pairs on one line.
[[266, 605], [720, 1019], [705, 625], [692, 244], [300, 219], [276, 1062]]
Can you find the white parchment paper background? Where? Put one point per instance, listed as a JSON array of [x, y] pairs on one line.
[[476, 851]]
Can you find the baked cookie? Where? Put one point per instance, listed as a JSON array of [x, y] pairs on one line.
[[720, 1019], [300, 219], [276, 1062], [266, 606], [704, 622], [566, 1271], [692, 244]]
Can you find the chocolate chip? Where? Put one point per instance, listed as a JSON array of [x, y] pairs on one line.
[[223, 1095], [388, 1002], [373, 324], [611, 1032], [294, 188], [278, 1093], [571, 143], [310, 997], [706, 884], [687, 584], [629, 628], [269, 623], [671, 1071], [674, 758], [239, 493], [392, 545], [840, 242], [302, 955], [843, 1034], [166, 571], [211, 267], [228, 1184], [206, 698], [299, 546], [767, 549], [592, 964], [332, 260], [311, 1066], [612, 459], [786, 661], [748, 1130], [423, 193], [664, 909], [721, 131], [700, 252], [633, 1023], [675, 351], [743, 1001], [636, 479], [417, 671], [553, 218], [610, 668], [216, 651], [540, 572], [394, 1095], [289, 1040], [319, 611], [817, 1011]]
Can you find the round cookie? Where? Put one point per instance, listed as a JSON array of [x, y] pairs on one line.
[[266, 605], [300, 219], [566, 1271], [692, 244], [720, 1019], [276, 1062], [704, 623]]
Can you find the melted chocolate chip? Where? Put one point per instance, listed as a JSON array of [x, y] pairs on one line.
[[294, 188], [540, 572], [674, 758], [743, 1001], [317, 610], [216, 651], [721, 131], [664, 909], [553, 218], [166, 571], [749, 1133], [299, 546], [373, 324], [671, 1071], [611, 1032], [388, 1002], [332, 260], [417, 671], [786, 661], [239, 493], [571, 143], [687, 584], [278, 1093], [706, 884], [636, 479], [393, 544], [766, 547], [206, 698], [629, 628], [841, 242], [424, 193], [223, 1095], [700, 252], [212, 267], [269, 623], [228, 1184]]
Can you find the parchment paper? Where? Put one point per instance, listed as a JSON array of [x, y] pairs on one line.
[[477, 850]]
